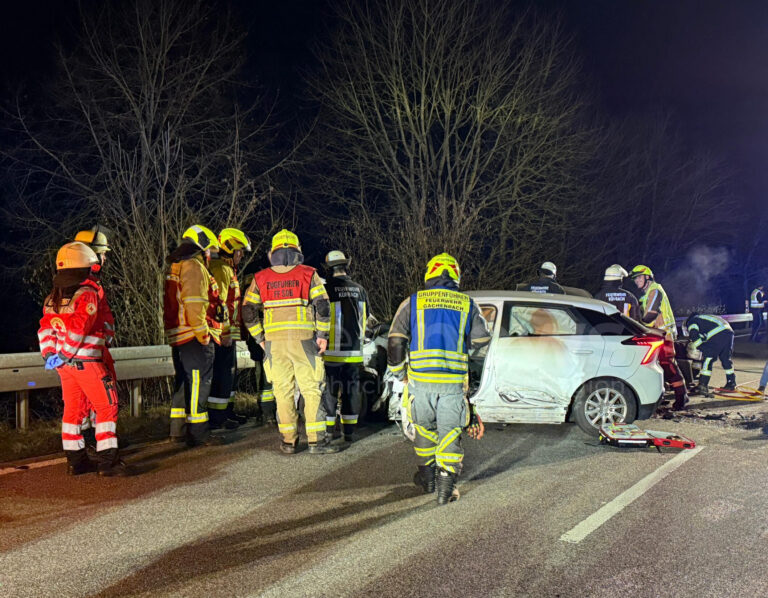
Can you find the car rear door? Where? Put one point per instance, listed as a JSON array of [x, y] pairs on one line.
[[542, 355]]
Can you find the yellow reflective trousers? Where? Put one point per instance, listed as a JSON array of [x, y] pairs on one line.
[[289, 363]]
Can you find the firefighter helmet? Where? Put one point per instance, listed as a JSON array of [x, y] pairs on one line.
[[232, 239], [336, 258], [615, 272], [76, 255], [201, 236], [641, 270], [548, 269], [443, 263], [95, 238], [285, 238]]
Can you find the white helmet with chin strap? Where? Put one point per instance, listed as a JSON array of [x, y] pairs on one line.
[[548, 269], [615, 272]]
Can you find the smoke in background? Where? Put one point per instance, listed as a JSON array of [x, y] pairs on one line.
[[691, 286]]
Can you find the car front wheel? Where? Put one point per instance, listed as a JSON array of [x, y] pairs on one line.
[[603, 402]]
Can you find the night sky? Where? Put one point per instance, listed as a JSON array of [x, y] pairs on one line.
[[705, 60]]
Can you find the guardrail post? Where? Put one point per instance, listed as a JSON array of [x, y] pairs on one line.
[[22, 409], [136, 398]]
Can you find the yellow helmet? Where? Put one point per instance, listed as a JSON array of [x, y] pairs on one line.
[[443, 263], [232, 239], [94, 238], [285, 238], [641, 271], [75, 255], [201, 236]]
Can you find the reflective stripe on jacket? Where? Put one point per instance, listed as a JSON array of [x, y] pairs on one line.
[[349, 313], [704, 328], [665, 320], [229, 293], [757, 299], [285, 302], [76, 330], [440, 326], [186, 302]]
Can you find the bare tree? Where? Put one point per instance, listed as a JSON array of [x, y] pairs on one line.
[[145, 134], [447, 126]]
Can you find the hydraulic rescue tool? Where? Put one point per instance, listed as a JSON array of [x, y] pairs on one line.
[[630, 436]]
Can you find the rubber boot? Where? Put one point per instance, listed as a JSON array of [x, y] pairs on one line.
[[446, 487], [78, 463], [323, 447], [425, 477], [730, 382]]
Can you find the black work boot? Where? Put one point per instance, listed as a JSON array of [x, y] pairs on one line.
[[289, 448], [425, 477], [703, 390], [240, 418], [446, 487], [323, 447], [730, 383], [111, 465], [78, 463], [681, 400]]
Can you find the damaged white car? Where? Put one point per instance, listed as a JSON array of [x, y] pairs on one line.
[[561, 358]]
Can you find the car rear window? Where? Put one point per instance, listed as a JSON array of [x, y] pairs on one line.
[[610, 324], [542, 320]]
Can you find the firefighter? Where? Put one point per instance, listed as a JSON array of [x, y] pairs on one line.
[[286, 310], [546, 283], [190, 325], [614, 293], [232, 244], [96, 239], [344, 356], [433, 331], [757, 303], [713, 336], [656, 312], [72, 340]]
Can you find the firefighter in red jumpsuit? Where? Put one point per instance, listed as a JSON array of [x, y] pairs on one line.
[[72, 340]]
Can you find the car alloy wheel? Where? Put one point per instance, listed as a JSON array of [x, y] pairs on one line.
[[605, 405]]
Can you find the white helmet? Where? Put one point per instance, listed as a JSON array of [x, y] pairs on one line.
[[548, 268], [615, 272], [336, 258]]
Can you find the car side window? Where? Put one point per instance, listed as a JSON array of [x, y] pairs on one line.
[[542, 320], [488, 312]]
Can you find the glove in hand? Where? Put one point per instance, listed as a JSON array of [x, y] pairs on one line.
[[53, 362]]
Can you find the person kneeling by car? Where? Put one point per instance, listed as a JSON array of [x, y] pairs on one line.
[[434, 329], [713, 336]]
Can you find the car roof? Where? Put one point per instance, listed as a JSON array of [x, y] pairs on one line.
[[574, 300]]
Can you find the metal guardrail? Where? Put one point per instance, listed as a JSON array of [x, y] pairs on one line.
[[23, 372]]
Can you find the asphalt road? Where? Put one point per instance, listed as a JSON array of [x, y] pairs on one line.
[[244, 520]]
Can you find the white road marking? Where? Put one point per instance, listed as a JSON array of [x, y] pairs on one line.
[[594, 521], [37, 465]]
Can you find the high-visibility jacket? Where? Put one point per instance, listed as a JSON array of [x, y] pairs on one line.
[[293, 302], [224, 272], [106, 312], [186, 303], [655, 299], [215, 315], [76, 330], [349, 313], [704, 328], [757, 299]]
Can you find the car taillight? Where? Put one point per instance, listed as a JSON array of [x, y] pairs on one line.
[[654, 344]]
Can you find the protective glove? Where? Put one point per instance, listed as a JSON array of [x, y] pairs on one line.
[[53, 362], [476, 428]]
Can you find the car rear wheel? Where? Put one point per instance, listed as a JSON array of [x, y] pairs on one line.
[[603, 402]]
